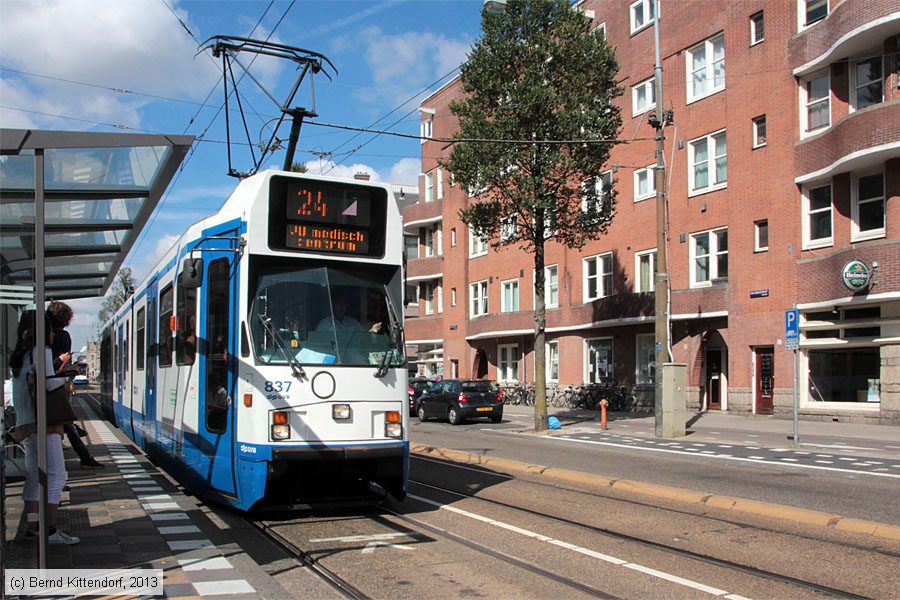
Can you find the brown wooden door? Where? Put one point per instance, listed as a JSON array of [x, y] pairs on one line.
[[714, 379], [765, 380]]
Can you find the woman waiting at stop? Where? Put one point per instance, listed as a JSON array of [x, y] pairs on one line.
[[21, 362]]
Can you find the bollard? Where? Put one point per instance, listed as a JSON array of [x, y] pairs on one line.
[[603, 404]]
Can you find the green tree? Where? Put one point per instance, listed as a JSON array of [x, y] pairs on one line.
[[118, 292], [542, 82], [299, 167]]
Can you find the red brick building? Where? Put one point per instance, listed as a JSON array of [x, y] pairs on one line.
[[783, 165]]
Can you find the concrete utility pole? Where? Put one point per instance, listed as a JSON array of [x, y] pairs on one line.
[[669, 401]]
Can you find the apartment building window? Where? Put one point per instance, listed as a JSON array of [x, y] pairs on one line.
[[602, 29], [429, 241], [478, 245], [645, 271], [815, 93], [757, 28], [709, 257], [509, 227], [645, 359], [509, 297], [478, 296], [428, 295], [552, 358], [867, 207], [643, 97], [761, 236], [812, 11], [644, 184], [598, 194], [598, 364], [429, 187], [453, 237], [412, 246], [817, 218], [425, 130], [412, 294], [439, 191], [708, 163], [641, 15], [867, 83], [759, 131], [598, 276], [706, 68], [551, 286], [508, 362], [452, 296]]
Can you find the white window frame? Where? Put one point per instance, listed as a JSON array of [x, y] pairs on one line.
[[602, 189], [651, 175], [602, 28], [755, 38], [428, 297], [550, 287], [756, 122], [408, 247], [551, 357], [757, 245], [478, 246], [805, 104], [600, 276], [637, 358], [810, 244], [452, 296], [802, 22], [713, 256], [646, 7], [708, 68], [651, 254], [453, 237], [439, 189], [429, 242], [854, 84], [426, 128], [478, 298], [649, 93], [509, 227], [508, 361], [711, 166], [429, 187], [503, 303], [855, 234], [586, 357]]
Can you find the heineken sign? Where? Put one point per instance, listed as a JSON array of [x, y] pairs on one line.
[[856, 275]]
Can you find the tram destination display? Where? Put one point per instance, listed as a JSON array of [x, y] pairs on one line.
[[331, 218]]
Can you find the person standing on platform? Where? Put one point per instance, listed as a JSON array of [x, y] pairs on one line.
[[61, 315]]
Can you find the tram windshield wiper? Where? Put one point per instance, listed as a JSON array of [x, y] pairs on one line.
[[396, 335], [296, 367]]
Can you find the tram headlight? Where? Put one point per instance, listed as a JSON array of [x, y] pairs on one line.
[[393, 428], [340, 412], [281, 430]]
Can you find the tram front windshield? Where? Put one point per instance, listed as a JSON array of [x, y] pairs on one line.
[[326, 315]]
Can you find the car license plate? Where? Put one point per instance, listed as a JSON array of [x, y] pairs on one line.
[[483, 408]]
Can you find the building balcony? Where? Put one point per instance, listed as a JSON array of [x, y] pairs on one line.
[[853, 26], [862, 139], [423, 269], [819, 278], [421, 214], [425, 330], [494, 325], [700, 302]]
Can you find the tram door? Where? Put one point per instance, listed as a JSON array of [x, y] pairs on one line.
[[149, 411], [217, 371]]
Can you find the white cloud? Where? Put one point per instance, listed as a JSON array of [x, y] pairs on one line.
[[406, 171], [137, 45]]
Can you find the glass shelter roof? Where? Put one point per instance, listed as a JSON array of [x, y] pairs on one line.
[[97, 192]]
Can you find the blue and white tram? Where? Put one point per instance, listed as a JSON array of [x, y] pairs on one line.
[[261, 363]]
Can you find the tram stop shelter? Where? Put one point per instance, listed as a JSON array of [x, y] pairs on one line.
[[72, 205]]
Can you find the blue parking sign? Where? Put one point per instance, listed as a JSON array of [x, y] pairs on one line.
[[791, 329]]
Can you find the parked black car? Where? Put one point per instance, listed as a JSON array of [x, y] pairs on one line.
[[417, 387], [459, 399]]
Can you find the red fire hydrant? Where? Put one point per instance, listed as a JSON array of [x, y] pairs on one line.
[[603, 404]]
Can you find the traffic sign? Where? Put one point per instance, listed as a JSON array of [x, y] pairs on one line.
[[791, 329]]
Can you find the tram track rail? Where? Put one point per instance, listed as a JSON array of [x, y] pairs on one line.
[[681, 552], [335, 581]]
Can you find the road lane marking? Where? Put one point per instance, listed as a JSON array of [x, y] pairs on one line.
[[579, 549], [687, 452]]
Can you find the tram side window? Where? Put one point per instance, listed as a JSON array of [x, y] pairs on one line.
[[140, 341], [125, 364], [217, 332], [166, 307], [186, 336]]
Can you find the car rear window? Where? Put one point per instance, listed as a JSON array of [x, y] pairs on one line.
[[421, 385], [478, 386]]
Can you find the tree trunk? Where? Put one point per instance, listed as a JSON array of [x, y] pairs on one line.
[[540, 322]]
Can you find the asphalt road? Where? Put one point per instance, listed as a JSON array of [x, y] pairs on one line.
[[847, 484]]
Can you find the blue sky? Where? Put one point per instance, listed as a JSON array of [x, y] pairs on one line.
[[100, 65]]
